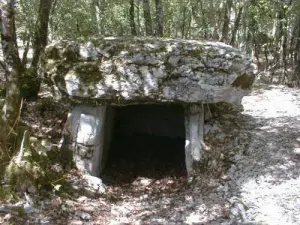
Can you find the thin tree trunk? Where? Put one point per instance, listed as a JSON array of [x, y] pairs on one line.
[[98, 15], [284, 51], [252, 27], [278, 33], [214, 18], [285, 40], [296, 75], [236, 26], [159, 18], [188, 29], [297, 44], [203, 18], [52, 27], [225, 29], [13, 69], [183, 21], [197, 18], [39, 43], [138, 18], [293, 41], [41, 31], [131, 18], [147, 17]]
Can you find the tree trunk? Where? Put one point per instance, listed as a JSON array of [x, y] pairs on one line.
[[195, 12], [159, 18], [225, 29], [13, 69], [41, 31], [183, 24], [296, 75], [147, 17], [138, 25], [204, 19], [284, 51], [39, 44], [131, 17], [213, 17], [98, 15], [52, 26], [188, 29], [236, 26], [278, 33], [284, 45]]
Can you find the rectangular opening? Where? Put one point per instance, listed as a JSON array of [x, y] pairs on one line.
[[148, 141]]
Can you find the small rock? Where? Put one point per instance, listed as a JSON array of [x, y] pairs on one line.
[[234, 212], [92, 186], [75, 222], [29, 209], [7, 217], [94, 182], [82, 199], [83, 215], [89, 209], [44, 221], [118, 223]]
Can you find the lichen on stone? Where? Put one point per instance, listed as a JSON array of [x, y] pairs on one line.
[[139, 69]]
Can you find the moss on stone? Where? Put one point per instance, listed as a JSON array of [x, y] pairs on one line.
[[162, 49], [211, 54], [88, 72], [91, 92], [244, 81], [197, 53]]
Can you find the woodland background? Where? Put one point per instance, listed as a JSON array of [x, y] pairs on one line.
[[267, 30]]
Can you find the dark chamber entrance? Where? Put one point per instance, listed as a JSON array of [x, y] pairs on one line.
[[147, 141]]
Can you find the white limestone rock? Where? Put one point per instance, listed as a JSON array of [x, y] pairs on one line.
[[132, 70]]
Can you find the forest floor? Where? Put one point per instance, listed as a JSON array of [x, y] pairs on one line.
[[261, 185]]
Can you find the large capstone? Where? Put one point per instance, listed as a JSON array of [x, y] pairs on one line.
[[111, 72]]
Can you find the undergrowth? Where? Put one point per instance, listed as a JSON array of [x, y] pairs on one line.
[[29, 165]]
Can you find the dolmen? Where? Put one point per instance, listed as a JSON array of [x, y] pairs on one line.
[[102, 74]]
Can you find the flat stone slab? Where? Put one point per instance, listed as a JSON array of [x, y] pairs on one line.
[[122, 71]]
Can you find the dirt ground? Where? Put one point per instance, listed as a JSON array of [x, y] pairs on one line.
[[260, 185]]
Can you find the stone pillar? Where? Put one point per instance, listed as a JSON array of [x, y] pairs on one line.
[[194, 141], [87, 136]]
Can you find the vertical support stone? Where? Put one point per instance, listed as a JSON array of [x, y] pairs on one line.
[[87, 135], [194, 142]]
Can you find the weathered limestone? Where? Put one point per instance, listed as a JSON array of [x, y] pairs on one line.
[[194, 129], [89, 131], [134, 70], [123, 71]]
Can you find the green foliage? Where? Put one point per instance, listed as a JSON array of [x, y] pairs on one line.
[[36, 167], [78, 19], [2, 93], [6, 194], [26, 15]]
